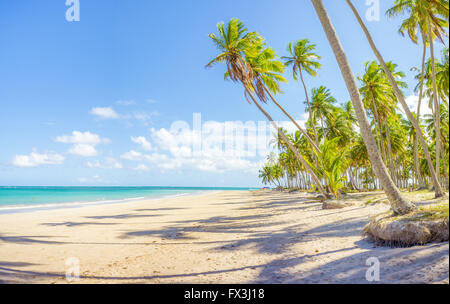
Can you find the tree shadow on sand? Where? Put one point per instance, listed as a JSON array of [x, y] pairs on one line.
[[217, 224], [77, 224], [122, 216], [396, 266], [263, 232], [399, 265]]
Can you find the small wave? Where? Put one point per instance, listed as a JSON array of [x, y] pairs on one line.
[[37, 207], [68, 204]]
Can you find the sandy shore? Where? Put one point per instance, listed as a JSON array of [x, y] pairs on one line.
[[225, 237]]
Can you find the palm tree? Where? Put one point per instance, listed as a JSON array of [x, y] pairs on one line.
[[380, 99], [401, 98], [442, 75], [322, 104], [266, 174], [266, 77], [374, 91], [236, 45], [399, 204], [337, 126], [436, 102], [424, 16], [444, 134], [333, 162], [302, 57], [271, 173]]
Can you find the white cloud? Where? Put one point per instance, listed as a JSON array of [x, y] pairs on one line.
[[84, 150], [220, 147], [163, 161], [83, 143], [412, 101], [217, 147], [109, 113], [141, 167], [78, 137], [107, 163], [140, 140], [35, 159], [104, 113], [132, 155], [141, 116]]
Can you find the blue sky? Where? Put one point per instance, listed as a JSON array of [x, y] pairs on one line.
[[91, 102]]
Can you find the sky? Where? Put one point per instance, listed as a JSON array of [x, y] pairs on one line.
[[110, 99]]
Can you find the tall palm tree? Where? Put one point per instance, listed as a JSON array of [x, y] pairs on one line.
[[421, 79], [374, 91], [267, 73], [266, 174], [379, 98], [399, 204], [401, 98], [322, 104], [236, 45], [337, 126], [429, 18], [444, 134], [442, 75], [333, 163], [302, 57]]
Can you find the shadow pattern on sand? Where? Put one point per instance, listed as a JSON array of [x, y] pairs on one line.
[[259, 231]]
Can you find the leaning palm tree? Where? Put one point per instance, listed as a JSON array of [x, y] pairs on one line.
[[302, 57], [236, 45], [430, 18], [399, 204], [267, 73], [401, 99]]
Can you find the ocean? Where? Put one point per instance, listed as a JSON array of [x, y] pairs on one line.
[[20, 199]]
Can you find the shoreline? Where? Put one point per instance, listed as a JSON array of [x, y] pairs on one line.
[[224, 237], [13, 209]]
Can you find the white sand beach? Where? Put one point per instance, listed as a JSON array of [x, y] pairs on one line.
[[225, 237]]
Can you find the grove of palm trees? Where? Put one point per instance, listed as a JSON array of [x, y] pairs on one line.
[[233, 149], [371, 142]]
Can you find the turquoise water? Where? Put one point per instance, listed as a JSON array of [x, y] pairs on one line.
[[38, 197]]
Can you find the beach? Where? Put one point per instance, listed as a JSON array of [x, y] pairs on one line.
[[220, 237]]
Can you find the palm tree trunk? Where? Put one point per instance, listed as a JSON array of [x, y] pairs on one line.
[[401, 98], [445, 167], [383, 147], [313, 125], [352, 179], [399, 204], [309, 106], [291, 147], [391, 157], [419, 104], [313, 144], [437, 112], [377, 126], [380, 133]]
